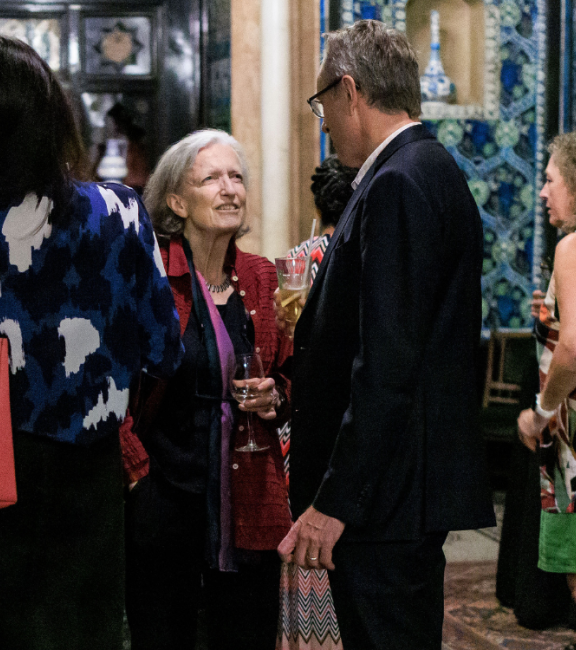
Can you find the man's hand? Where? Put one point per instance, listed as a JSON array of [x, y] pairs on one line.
[[311, 539], [530, 427]]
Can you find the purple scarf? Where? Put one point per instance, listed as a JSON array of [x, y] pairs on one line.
[[227, 360]]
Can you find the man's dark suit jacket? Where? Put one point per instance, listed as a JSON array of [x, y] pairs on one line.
[[384, 429]]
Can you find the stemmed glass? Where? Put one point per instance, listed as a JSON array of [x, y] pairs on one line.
[[248, 372], [293, 285]]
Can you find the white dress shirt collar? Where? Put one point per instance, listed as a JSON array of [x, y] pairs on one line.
[[372, 157]]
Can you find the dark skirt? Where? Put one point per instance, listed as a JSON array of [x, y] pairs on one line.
[[540, 600], [62, 548], [170, 587]]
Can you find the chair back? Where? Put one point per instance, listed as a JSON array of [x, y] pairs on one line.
[[504, 368]]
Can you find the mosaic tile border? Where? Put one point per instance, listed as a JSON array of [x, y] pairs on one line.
[[539, 215]]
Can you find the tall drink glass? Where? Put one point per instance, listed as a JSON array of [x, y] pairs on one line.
[[294, 284]]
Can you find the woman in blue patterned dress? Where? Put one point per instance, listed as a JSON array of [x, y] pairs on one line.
[[308, 619], [552, 423], [85, 305]]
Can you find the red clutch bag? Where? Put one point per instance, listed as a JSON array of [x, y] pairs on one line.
[[7, 473]]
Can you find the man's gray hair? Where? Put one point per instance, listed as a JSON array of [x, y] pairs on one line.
[[382, 63], [169, 173]]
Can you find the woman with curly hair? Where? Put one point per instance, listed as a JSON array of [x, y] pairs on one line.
[[332, 189]]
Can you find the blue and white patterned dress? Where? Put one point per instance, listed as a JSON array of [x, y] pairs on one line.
[[85, 306]]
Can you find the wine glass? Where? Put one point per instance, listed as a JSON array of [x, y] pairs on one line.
[[248, 372], [293, 285]]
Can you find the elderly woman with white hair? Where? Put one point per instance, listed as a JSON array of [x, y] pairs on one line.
[[204, 523]]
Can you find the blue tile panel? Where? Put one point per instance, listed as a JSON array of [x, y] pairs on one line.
[[502, 158]]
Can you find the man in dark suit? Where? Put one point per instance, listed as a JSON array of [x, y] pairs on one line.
[[386, 455]]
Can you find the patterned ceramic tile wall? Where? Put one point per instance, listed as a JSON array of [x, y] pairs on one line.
[[501, 151]]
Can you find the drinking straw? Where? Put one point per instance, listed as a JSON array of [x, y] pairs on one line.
[[290, 299], [309, 257]]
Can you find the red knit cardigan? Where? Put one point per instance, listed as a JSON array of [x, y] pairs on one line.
[[259, 496]]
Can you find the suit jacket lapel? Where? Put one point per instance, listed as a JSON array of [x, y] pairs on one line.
[[418, 132]]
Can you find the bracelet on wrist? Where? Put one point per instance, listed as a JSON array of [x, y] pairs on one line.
[[542, 412]]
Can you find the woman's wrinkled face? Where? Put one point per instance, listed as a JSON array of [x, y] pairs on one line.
[[213, 195], [559, 201]]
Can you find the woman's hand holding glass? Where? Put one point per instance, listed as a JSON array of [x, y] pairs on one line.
[[264, 398], [284, 321], [254, 393], [293, 286]]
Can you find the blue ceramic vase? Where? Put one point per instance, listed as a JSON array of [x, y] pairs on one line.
[[435, 85]]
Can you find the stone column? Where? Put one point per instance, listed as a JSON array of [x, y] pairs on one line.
[[275, 46], [276, 126], [246, 107]]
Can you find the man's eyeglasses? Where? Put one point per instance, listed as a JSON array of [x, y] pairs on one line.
[[315, 104]]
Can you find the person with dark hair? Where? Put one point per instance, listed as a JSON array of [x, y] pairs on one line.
[[41, 146], [136, 153], [85, 305], [332, 189], [386, 454], [204, 523], [300, 621]]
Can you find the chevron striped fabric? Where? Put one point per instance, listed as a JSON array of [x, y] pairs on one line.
[[307, 616], [319, 246], [308, 620]]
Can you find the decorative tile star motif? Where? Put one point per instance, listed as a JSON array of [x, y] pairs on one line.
[[118, 46]]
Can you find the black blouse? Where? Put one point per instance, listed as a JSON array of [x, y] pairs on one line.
[[178, 442]]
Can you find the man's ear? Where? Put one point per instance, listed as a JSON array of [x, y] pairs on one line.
[[177, 205], [351, 91]]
